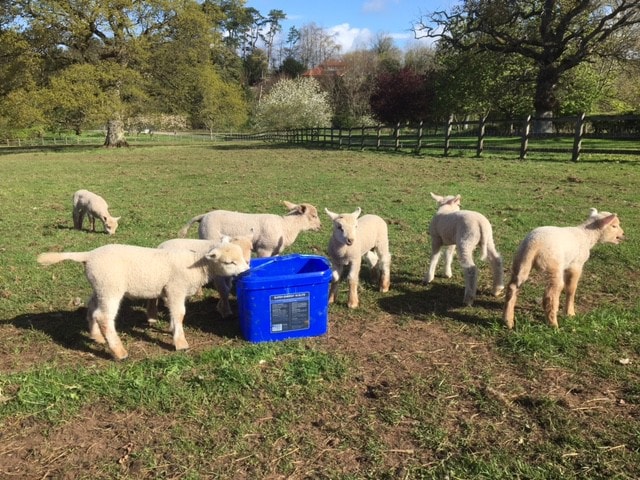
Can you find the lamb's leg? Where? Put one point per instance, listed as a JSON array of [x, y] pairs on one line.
[[354, 278], [177, 309], [470, 275], [94, 328], [571, 278], [152, 311], [436, 246], [385, 272], [551, 299], [449, 253], [77, 219], [223, 287], [510, 303], [105, 315], [92, 220], [335, 282], [496, 269]]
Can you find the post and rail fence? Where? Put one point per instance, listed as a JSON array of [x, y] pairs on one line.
[[593, 134], [605, 134]]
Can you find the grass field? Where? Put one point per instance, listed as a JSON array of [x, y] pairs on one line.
[[410, 385]]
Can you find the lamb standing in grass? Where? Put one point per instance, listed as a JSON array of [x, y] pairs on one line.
[[271, 233], [115, 271], [464, 230], [94, 206], [222, 284], [559, 252], [352, 239]]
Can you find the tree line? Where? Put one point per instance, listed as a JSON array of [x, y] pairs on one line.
[[70, 65]]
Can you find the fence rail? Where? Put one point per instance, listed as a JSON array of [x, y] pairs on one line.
[[616, 135], [598, 134]]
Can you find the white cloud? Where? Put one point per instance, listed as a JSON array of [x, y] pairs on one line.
[[373, 6], [350, 38]]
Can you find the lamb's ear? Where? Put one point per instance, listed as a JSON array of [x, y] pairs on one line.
[[332, 215], [290, 206], [225, 238], [357, 213], [603, 222], [593, 212], [213, 254], [437, 198]]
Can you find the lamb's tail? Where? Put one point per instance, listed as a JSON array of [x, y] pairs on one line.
[[49, 258], [523, 262], [183, 231]]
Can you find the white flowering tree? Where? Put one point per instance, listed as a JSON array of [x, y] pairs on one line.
[[297, 103]]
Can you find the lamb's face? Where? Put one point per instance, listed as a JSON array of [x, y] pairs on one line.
[[228, 260], [345, 229], [612, 232], [345, 226], [311, 213], [111, 224]]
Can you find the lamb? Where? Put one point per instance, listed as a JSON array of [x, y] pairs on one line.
[[271, 233], [115, 271], [463, 230], [352, 239], [94, 206], [222, 283], [560, 253]]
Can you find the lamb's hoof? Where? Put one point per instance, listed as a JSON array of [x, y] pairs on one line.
[[498, 291], [98, 339], [181, 345], [120, 355]]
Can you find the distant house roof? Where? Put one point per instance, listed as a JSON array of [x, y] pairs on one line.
[[330, 67]]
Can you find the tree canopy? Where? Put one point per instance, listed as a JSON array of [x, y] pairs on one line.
[[554, 35]]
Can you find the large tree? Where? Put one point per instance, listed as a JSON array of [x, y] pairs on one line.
[[556, 35]]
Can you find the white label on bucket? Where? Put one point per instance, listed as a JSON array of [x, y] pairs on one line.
[[289, 312]]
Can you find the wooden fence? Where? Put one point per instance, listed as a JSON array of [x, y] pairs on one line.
[[603, 134]]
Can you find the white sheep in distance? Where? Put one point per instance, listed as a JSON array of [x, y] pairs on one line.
[[94, 206], [222, 284], [271, 233], [463, 230], [353, 238], [115, 271], [560, 253]]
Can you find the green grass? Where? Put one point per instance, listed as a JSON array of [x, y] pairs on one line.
[[462, 398]]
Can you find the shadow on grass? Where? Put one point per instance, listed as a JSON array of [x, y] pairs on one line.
[[68, 328], [442, 299]]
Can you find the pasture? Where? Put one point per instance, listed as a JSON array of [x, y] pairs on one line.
[[410, 385]]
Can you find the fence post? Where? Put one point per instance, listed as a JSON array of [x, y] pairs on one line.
[[362, 139], [480, 146], [577, 140], [349, 141], [447, 135], [378, 137], [340, 138], [524, 144], [396, 134], [419, 140]]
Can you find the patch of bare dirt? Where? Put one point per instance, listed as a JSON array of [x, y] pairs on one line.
[[479, 400]]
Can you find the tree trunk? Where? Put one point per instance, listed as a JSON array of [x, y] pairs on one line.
[[115, 135], [545, 100]]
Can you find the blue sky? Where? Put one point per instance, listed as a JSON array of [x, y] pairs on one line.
[[355, 22]]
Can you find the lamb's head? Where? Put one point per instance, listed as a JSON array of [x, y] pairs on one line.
[[246, 244], [607, 224], [450, 203], [110, 224], [308, 212], [345, 226], [227, 260]]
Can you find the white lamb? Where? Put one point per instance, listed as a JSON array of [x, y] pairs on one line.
[[221, 283], [463, 230], [353, 238], [115, 271], [94, 206], [271, 233], [560, 253]]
